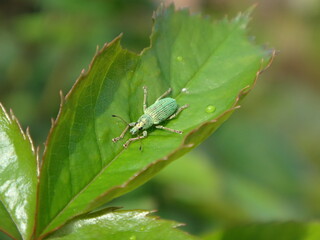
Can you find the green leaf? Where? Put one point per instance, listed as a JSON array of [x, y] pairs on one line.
[[4, 236], [7, 225], [206, 63], [18, 179], [267, 231], [131, 225]]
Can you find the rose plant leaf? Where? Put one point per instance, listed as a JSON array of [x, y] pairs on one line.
[[207, 63], [18, 179], [121, 225]]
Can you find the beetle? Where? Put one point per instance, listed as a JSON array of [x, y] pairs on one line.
[[164, 108]]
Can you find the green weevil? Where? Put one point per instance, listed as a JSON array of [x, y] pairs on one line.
[[164, 108]]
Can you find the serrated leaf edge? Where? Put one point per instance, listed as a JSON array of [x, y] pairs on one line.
[[12, 119]]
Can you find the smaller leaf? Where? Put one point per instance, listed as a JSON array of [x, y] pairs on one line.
[[119, 225], [18, 179], [267, 231]]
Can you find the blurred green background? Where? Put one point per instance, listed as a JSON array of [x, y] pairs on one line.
[[263, 164]]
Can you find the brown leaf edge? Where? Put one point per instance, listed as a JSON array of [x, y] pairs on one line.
[[142, 214], [157, 165], [12, 119]]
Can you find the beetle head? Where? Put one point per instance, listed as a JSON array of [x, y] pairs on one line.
[[143, 123]]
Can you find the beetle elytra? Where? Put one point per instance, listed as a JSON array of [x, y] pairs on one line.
[[164, 108]]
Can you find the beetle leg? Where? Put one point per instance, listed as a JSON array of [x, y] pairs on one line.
[[144, 135], [124, 132], [144, 98], [168, 129], [178, 111], [165, 94]]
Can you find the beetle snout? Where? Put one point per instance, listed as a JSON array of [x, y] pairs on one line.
[[134, 130]]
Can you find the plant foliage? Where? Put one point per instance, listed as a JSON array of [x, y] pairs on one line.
[[210, 65]]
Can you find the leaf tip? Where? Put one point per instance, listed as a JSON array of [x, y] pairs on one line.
[[5, 113], [243, 18]]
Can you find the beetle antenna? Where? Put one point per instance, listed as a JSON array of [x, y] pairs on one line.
[[120, 118]]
